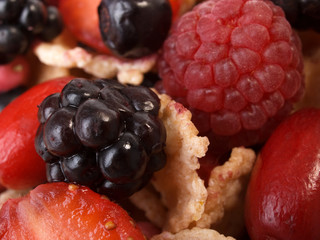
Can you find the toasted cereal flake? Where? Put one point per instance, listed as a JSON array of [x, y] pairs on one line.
[[225, 185], [147, 200], [192, 234], [63, 52], [10, 194], [182, 191]]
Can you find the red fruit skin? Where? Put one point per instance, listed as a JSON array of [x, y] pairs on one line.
[[14, 74], [61, 211], [81, 18], [283, 196], [20, 166]]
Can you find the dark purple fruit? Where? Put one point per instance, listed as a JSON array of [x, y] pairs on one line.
[[12, 43], [134, 28], [10, 9], [103, 135]]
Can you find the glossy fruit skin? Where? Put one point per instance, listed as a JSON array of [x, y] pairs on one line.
[[20, 165], [133, 30], [65, 211], [81, 19], [283, 196]]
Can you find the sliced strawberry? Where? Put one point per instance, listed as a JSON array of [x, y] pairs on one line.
[[81, 18], [20, 166], [61, 211]]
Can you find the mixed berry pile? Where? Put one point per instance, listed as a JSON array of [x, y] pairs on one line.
[[237, 65]]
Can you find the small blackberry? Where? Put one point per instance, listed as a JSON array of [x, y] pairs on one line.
[[23, 20], [101, 134], [132, 29]]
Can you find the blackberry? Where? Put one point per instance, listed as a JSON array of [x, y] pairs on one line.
[[133, 29], [102, 134], [302, 14], [23, 20]]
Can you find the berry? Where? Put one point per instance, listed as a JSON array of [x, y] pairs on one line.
[[80, 212], [302, 14], [125, 30], [103, 135], [284, 189], [20, 166], [82, 20], [13, 42], [237, 65], [15, 73], [33, 16], [22, 21], [10, 9]]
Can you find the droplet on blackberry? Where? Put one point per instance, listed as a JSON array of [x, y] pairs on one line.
[[89, 129], [81, 168], [142, 99], [53, 26], [133, 29], [12, 43], [96, 125], [125, 160], [33, 16], [77, 91], [58, 133], [48, 106], [10, 9]]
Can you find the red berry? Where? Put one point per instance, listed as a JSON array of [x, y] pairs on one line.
[[283, 196], [14, 74], [20, 166], [237, 63], [65, 211]]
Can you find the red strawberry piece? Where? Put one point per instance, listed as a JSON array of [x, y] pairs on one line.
[[238, 66], [283, 195], [20, 166], [61, 211], [14, 74]]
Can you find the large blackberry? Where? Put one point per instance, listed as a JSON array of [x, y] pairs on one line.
[[21, 21], [101, 134]]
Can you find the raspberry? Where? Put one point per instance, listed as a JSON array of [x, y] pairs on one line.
[[103, 135], [237, 65]]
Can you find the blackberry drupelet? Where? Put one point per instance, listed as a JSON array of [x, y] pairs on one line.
[[23, 20], [102, 134], [302, 14]]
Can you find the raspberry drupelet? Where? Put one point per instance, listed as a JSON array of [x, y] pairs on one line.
[[237, 65]]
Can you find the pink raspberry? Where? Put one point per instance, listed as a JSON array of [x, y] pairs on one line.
[[237, 65]]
